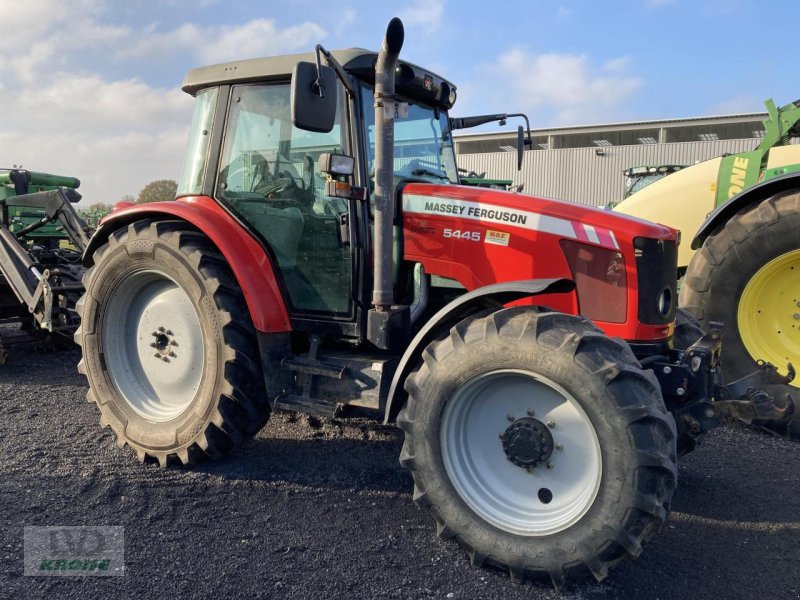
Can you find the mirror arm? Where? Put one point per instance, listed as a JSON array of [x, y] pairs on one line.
[[529, 139], [318, 82], [340, 72]]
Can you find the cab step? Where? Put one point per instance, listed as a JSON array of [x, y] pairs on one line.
[[306, 404]]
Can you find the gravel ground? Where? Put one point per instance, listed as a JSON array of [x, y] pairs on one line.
[[322, 509]]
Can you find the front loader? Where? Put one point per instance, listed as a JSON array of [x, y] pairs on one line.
[[42, 239], [322, 258]]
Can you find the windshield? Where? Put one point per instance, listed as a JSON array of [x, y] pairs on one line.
[[639, 182], [423, 145]]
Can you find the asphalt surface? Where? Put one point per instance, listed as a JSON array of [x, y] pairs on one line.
[[322, 509]]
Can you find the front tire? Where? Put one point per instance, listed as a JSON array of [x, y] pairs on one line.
[[168, 346], [747, 276], [539, 444]]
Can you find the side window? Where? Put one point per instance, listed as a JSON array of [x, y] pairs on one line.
[[268, 177]]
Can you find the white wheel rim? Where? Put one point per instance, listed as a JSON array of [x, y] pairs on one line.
[[153, 344], [501, 492]]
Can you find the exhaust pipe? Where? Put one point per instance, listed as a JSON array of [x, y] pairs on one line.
[[383, 293]]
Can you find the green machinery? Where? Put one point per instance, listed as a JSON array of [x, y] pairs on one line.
[[42, 238], [743, 265], [14, 182]]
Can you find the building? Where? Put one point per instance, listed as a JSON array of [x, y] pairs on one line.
[[585, 164]]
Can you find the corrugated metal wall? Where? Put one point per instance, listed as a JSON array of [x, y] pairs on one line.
[[580, 175]]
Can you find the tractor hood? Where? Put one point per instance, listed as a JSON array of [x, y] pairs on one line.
[[472, 237], [491, 207]]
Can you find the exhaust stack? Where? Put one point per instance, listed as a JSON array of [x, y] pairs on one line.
[[383, 294]]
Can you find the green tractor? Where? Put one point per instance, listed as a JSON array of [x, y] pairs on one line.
[[42, 238], [639, 177], [743, 265], [15, 182]]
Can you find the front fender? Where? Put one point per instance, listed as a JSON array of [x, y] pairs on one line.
[[247, 258], [491, 296], [761, 191]]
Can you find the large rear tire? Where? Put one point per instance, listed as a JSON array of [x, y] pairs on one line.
[[539, 444], [747, 276], [168, 346]]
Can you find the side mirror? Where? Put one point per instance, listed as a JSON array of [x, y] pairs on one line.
[[313, 105], [520, 146], [335, 164]]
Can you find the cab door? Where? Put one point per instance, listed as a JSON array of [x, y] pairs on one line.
[[268, 178]]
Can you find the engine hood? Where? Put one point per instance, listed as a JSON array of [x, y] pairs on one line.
[[530, 212]]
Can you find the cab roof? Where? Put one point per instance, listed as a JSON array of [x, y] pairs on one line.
[[357, 61]]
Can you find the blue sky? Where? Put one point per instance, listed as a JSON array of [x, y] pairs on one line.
[[91, 87]]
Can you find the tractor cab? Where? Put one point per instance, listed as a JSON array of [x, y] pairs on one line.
[[248, 151]]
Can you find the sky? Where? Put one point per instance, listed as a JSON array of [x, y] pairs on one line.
[[91, 88]]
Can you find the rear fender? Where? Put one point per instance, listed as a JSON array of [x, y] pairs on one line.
[[489, 297], [754, 195], [249, 261]]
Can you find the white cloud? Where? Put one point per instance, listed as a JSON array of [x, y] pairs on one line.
[[116, 133], [565, 88], [743, 103], [39, 36], [217, 43], [425, 14]]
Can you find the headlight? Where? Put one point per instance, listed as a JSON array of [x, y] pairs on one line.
[[665, 302]]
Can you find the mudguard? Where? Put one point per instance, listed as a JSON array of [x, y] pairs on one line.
[[247, 258], [717, 219], [491, 296]]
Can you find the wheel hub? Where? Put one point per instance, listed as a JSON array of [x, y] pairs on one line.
[[527, 443], [164, 344]]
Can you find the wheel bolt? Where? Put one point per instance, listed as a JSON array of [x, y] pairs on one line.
[[510, 417], [797, 316], [154, 345], [680, 391], [551, 424], [549, 464], [531, 412], [559, 447], [667, 370], [169, 332], [161, 330]]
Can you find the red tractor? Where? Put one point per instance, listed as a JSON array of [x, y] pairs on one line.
[[321, 258]]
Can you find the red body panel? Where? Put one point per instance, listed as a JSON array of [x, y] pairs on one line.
[[524, 234], [250, 263]]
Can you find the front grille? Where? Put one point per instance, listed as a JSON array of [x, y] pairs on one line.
[[657, 276]]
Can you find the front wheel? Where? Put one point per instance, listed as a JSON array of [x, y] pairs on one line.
[[539, 444], [168, 346]]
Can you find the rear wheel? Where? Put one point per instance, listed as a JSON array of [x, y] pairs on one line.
[[538, 444], [747, 276], [168, 346]]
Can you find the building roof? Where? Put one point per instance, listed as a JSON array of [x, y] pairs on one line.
[[711, 128]]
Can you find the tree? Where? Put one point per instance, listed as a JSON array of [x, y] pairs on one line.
[[160, 190], [94, 213]]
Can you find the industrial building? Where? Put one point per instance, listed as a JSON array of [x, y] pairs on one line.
[[585, 164]]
